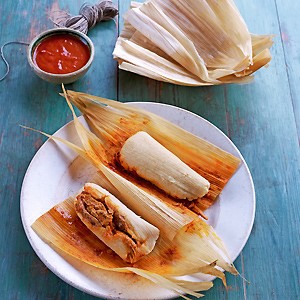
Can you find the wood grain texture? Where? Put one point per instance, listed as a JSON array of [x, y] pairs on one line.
[[28, 100], [262, 119], [289, 25], [262, 125]]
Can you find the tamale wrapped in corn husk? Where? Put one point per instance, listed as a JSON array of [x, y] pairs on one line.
[[62, 228], [118, 227], [190, 42], [186, 244], [114, 123], [151, 161]]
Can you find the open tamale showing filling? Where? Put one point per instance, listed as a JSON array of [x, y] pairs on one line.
[[110, 220], [153, 181], [186, 244]]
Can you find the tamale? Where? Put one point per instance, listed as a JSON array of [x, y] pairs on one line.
[[118, 227], [114, 123], [150, 160]]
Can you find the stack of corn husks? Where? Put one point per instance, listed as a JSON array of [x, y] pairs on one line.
[[190, 42]]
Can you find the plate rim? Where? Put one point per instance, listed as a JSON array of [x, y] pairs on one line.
[[44, 260]]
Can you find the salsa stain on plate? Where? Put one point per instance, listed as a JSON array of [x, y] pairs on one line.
[[61, 54]]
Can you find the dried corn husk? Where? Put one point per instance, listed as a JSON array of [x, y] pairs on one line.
[[62, 229], [193, 247], [114, 122], [190, 43]]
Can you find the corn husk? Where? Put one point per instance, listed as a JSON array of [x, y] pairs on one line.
[[192, 250], [114, 122], [186, 244], [190, 43], [62, 229]]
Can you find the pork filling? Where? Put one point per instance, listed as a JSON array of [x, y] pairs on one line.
[[99, 213]]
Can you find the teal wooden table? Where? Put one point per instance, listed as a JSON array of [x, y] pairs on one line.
[[261, 118]]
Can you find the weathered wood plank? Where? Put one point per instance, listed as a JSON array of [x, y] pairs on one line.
[[26, 99], [255, 115], [261, 123], [289, 25]]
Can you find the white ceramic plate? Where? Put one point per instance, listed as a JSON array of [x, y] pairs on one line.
[[56, 173]]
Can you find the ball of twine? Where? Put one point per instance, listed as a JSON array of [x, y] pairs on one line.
[[88, 17]]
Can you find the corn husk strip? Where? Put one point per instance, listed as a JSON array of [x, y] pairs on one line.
[[61, 228], [140, 70], [130, 33], [198, 232], [129, 50], [261, 59], [72, 146], [171, 285], [208, 269], [140, 40], [211, 26], [198, 286], [188, 265], [116, 122], [236, 79], [155, 65], [144, 72], [261, 42], [127, 31], [135, 4], [186, 55]]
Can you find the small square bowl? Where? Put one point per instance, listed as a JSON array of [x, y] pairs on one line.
[[60, 78]]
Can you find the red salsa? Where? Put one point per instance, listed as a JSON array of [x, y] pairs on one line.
[[61, 54]]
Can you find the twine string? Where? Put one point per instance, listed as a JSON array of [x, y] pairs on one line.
[[88, 17], [4, 59]]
